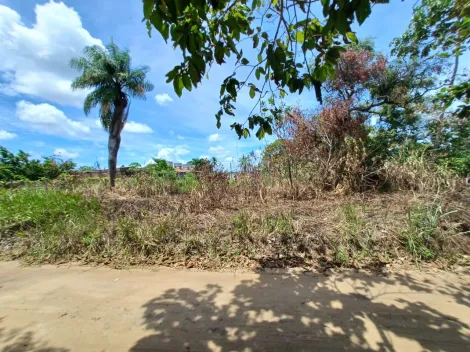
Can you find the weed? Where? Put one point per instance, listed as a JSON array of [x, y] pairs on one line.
[[279, 224], [423, 237], [341, 256], [241, 227], [354, 228]]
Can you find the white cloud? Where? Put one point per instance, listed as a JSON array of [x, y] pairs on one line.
[[47, 119], [172, 153], [219, 151], [39, 144], [137, 127], [180, 137], [97, 124], [65, 154], [149, 162], [35, 61], [163, 99], [229, 159], [204, 157], [214, 137], [5, 136]]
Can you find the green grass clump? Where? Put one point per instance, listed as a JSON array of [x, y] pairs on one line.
[[52, 223], [187, 183], [423, 237]]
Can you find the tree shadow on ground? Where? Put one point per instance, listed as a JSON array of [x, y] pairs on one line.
[[307, 313], [19, 340]]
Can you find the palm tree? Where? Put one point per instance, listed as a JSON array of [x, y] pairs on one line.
[[107, 70]]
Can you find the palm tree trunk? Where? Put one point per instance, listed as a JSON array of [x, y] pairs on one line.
[[113, 148], [114, 141]]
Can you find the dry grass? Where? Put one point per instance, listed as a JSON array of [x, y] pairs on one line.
[[221, 227]]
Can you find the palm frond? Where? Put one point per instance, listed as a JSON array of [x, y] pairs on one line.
[[101, 95], [108, 72], [79, 63], [125, 116], [106, 115]]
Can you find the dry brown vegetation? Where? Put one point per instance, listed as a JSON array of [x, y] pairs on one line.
[[246, 223]]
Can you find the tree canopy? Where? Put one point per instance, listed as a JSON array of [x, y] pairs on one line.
[[286, 35], [21, 167], [440, 28], [108, 71]]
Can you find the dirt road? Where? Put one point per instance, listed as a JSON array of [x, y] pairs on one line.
[[99, 309]]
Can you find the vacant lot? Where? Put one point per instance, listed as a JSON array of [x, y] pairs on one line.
[[220, 224]]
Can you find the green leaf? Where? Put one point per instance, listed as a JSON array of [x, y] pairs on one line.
[[299, 36], [149, 28], [165, 32], [255, 41], [246, 133], [274, 3], [267, 128], [352, 37], [321, 73], [156, 20], [245, 61], [187, 82], [260, 57], [283, 93], [148, 7], [252, 92], [219, 53], [341, 22], [363, 11], [178, 85], [257, 74], [326, 7]]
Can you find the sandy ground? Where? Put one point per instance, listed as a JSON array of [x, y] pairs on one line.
[[73, 308]]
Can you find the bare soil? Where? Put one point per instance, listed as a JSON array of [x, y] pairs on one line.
[[76, 308]]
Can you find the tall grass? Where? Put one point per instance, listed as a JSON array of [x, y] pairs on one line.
[[413, 169], [423, 237]]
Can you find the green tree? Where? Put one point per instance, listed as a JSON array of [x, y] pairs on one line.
[[107, 70], [22, 167], [85, 169], [160, 169], [441, 28], [198, 163], [286, 36]]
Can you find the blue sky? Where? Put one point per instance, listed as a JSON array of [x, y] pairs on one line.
[[39, 114]]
